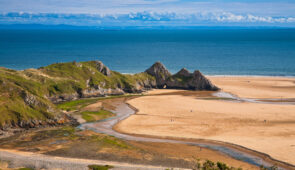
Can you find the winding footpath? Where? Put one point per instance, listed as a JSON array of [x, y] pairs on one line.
[[18, 159]]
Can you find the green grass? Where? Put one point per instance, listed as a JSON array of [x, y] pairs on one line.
[[53, 81], [109, 141], [76, 104], [13, 107], [99, 167], [63, 132], [25, 169], [95, 116], [181, 79]]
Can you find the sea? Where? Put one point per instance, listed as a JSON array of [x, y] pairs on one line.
[[213, 51]]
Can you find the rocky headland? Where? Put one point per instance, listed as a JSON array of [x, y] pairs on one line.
[[181, 80], [28, 97]]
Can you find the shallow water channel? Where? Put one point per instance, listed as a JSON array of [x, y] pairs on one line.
[[123, 111]]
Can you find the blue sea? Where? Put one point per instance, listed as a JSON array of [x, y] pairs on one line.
[[236, 51]]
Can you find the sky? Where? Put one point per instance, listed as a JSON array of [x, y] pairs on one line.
[[149, 13]]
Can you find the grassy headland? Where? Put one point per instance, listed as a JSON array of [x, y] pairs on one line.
[[26, 97]]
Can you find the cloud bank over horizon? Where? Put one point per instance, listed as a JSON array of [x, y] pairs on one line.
[[149, 12]]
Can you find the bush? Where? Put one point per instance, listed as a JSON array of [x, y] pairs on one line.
[[222, 166], [208, 165], [100, 167]]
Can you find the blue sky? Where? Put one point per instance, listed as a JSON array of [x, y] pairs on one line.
[[149, 12]]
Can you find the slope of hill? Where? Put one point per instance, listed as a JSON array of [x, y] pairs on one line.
[[27, 97]]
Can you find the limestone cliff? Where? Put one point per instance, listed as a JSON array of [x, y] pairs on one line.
[[159, 71], [181, 80]]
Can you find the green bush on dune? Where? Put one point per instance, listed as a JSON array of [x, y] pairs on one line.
[[100, 167], [210, 165]]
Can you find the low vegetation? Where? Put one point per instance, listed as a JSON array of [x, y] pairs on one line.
[[210, 165], [99, 167], [25, 96], [75, 104], [71, 142], [90, 116]]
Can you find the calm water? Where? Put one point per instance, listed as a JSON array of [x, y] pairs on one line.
[[213, 51]]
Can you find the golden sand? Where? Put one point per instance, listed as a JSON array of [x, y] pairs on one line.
[[267, 128], [257, 87]]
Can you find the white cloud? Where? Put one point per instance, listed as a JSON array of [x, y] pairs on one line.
[[151, 18]]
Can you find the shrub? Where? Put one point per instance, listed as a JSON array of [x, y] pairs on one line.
[[100, 167], [222, 166]]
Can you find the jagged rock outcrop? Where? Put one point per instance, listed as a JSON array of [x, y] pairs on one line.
[[87, 93], [64, 97], [29, 99], [181, 80], [159, 71], [183, 72], [200, 82], [99, 92], [102, 68]]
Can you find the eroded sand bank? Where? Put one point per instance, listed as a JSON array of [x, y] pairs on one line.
[[268, 128]]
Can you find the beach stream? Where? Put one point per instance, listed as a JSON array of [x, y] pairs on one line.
[[123, 111]]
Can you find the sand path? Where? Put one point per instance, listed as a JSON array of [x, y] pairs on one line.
[[40, 161]]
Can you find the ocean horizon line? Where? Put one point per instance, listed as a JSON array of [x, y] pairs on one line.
[[116, 27]]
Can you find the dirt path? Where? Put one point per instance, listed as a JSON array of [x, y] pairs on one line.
[[39, 161]]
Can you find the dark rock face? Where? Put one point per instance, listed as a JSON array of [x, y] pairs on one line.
[[181, 80], [159, 71], [183, 72], [13, 127], [87, 93], [200, 82], [99, 92], [102, 68], [63, 97]]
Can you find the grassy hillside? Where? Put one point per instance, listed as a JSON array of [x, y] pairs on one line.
[[24, 95], [21, 99]]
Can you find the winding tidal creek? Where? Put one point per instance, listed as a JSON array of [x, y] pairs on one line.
[[123, 111]]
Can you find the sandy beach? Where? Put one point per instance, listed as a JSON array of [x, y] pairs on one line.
[[267, 128]]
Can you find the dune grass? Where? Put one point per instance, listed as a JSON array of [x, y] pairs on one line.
[[76, 104], [90, 116]]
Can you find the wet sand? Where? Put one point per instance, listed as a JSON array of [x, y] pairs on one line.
[[257, 87], [267, 128]]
